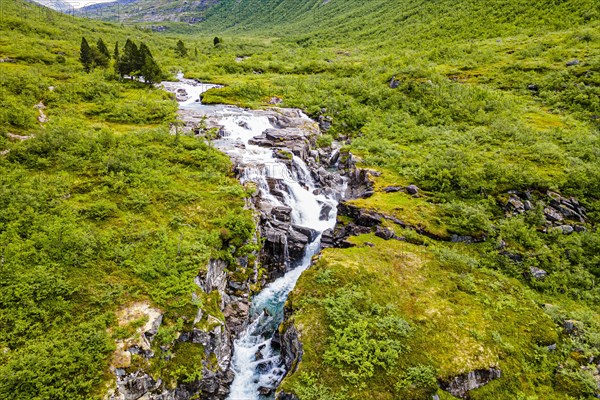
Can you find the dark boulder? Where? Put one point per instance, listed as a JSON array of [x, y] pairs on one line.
[[412, 189]]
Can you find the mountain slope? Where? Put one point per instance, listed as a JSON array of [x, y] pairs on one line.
[[105, 217]]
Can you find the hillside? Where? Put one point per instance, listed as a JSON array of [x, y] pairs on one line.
[[105, 217], [478, 121], [492, 105], [188, 11]]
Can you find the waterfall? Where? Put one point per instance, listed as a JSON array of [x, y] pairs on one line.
[[257, 365], [256, 362]]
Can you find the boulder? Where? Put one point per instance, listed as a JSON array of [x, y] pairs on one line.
[[412, 189], [567, 229], [537, 273], [460, 385], [392, 189], [572, 63], [384, 233]]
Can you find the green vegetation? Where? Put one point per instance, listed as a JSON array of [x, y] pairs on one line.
[[488, 97], [100, 207]]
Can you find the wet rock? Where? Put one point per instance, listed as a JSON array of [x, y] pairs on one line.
[[291, 347], [369, 219], [460, 385], [265, 391], [325, 123], [359, 182], [282, 213], [325, 212]]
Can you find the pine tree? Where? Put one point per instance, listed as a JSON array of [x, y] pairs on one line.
[[127, 61], [149, 68], [102, 48], [116, 52], [195, 52], [86, 56], [181, 50], [100, 59], [217, 41]]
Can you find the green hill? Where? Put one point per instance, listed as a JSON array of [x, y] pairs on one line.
[[100, 208], [490, 101]]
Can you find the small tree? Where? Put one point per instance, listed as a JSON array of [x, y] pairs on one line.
[[180, 49], [86, 56], [116, 52], [217, 41], [195, 52]]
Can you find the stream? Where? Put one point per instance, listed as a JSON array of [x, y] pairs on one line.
[[256, 361]]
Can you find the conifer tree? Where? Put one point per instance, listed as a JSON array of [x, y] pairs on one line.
[[149, 68], [99, 58], [86, 56], [181, 50], [102, 48], [127, 61], [116, 52], [217, 41]]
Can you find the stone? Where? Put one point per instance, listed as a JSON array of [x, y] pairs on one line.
[[572, 63], [537, 273], [412, 189], [384, 233], [394, 83], [566, 229], [275, 100], [392, 189], [552, 215], [551, 347], [460, 385], [533, 88], [265, 391], [516, 204], [579, 228], [571, 327], [282, 213]]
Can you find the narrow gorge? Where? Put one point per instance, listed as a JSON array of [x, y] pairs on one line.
[[295, 187]]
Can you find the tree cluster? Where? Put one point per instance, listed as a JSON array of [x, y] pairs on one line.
[[93, 56], [137, 62], [133, 61]]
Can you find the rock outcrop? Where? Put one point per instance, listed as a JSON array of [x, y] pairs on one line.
[[460, 385]]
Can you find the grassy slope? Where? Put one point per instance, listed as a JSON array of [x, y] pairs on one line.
[[463, 126], [101, 208]]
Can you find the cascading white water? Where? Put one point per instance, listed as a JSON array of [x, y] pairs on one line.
[[256, 363]]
